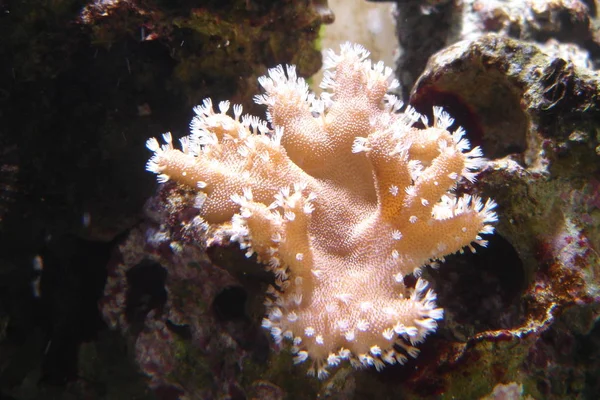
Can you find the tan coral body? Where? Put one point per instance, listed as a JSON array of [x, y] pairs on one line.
[[341, 201]]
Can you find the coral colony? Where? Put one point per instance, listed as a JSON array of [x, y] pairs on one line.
[[341, 198]]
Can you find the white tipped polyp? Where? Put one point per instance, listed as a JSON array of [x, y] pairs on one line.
[[167, 137], [153, 145], [442, 119], [388, 334], [322, 373], [292, 317], [224, 106], [349, 335], [362, 325], [437, 313], [375, 350], [266, 323], [421, 285], [301, 357], [359, 145], [399, 328], [333, 359], [428, 324], [162, 178]]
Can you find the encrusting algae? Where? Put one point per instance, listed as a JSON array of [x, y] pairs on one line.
[[340, 197]]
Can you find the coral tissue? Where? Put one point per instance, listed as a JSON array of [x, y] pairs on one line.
[[340, 197]]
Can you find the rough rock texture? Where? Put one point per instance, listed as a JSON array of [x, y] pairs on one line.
[[82, 83], [167, 304], [567, 28]]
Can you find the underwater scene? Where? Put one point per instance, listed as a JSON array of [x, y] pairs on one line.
[[299, 199]]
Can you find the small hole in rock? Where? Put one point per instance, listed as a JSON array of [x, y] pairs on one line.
[[146, 291], [482, 291], [230, 303]]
